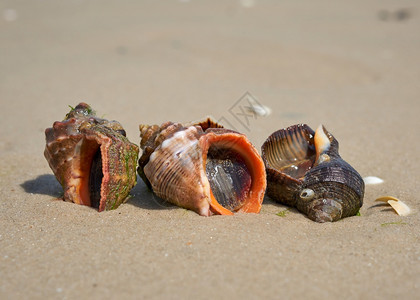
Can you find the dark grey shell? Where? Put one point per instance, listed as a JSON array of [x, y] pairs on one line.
[[318, 182]]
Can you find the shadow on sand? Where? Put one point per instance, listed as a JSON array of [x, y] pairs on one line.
[[142, 197], [45, 184]]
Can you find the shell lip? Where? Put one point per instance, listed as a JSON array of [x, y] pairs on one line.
[[240, 144], [217, 208], [89, 147], [299, 180]]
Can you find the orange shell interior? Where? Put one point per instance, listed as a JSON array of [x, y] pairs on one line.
[[243, 147], [89, 148]]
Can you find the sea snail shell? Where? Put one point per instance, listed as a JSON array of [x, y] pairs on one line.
[[91, 158], [304, 170], [202, 167]]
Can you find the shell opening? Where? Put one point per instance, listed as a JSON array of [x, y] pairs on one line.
[[244, 165], [95, 180], [91, 173], [307, 194], [291, 151], [229, 177]]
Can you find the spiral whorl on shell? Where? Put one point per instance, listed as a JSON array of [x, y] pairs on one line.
[[202, 167], [91, 158], [304, 170]]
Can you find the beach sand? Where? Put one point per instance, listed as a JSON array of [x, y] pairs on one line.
[[352, 66]]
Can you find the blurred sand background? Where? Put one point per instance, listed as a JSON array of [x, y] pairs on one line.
[[352, 65]]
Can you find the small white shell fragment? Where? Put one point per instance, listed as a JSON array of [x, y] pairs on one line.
[[248, 3], [400, 207], [372, 180], [9, 15], [256, 107], [386, 198], [259, 109]]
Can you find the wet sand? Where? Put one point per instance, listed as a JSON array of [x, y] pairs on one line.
[[353, 67]]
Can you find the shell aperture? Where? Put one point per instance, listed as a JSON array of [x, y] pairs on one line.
[[229, 177], [95, 180]]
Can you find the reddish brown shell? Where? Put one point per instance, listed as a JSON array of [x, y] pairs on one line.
[[175, 164], [91, 158]]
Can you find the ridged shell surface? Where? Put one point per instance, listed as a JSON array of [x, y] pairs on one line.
[[91, 158], [202, 167], [305, 170]]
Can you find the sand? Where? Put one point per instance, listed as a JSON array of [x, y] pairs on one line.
[[353, 66]]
